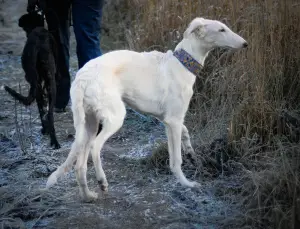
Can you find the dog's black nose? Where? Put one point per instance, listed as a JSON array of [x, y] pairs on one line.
[[245, 45]]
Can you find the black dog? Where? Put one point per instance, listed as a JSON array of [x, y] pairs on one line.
[[39, 61]]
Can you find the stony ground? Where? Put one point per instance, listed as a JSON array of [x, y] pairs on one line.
[[140, 196]]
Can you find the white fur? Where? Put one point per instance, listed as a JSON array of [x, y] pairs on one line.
[[151, 82]]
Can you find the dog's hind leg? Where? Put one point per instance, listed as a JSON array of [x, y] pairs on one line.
[[174, 130], [51, 89], [76, 149], [66, 166], [110, 124], [80, 170], [79, 150], [91, 129], [42, 112]]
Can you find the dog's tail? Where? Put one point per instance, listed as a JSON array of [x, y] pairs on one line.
[[77, 95], [77, 90], [31, 73], [23, 99]]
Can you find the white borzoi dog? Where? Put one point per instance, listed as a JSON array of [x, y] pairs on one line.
[[160, 84]]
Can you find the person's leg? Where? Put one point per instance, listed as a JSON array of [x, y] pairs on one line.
[[57, 16], [87, 16]]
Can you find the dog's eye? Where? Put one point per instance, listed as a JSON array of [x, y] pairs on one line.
[[222, 30]]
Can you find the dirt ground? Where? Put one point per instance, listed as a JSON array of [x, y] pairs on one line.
[[139, 196]]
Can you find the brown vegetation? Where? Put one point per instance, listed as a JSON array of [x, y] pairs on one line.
[[251, 98], [244, 119]]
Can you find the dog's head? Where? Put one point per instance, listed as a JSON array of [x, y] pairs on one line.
[[30, 21], [213, 34]]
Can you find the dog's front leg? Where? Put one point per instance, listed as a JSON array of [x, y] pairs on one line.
[[186, 141], [187, 146], [174, 130], [51, 98]]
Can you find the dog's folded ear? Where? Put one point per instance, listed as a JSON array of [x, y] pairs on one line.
[[31, 20], [197, 27]]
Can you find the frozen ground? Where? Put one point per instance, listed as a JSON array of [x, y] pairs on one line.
[[140, 196]]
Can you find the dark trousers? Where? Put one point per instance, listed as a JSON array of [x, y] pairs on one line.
[[86, 16]]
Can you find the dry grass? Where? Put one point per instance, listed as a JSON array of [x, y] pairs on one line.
[[250, 98], [244, 114]]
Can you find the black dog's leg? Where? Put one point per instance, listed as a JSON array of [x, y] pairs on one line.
[[40, 103], [51, 89]]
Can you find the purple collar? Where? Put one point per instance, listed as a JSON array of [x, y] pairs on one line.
[[188, 61]]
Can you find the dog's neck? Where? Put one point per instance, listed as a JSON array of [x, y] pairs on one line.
[[199, 53], [188, 61]]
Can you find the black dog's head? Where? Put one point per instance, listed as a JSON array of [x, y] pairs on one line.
[[30, 21]]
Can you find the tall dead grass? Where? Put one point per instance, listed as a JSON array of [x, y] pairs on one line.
[[250, 97]]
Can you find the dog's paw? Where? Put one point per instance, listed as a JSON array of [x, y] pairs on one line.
[[51, 180], [55, 144], [104, 188], [44, 131], [103, 185], [195, 185], [89, 196], [191, 184]]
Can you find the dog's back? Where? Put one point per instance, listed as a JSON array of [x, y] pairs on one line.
[[39, 53], [38, 59], [142, 80]]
